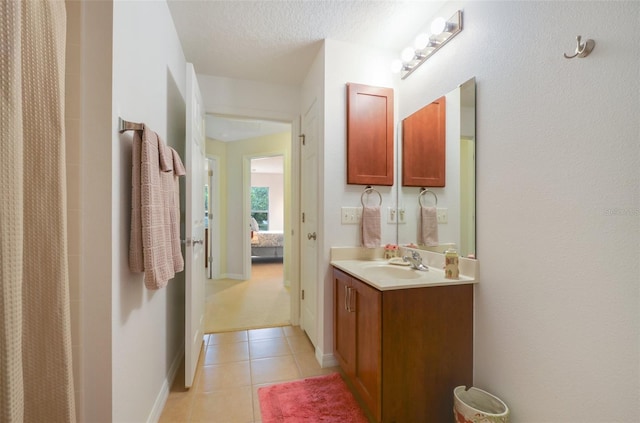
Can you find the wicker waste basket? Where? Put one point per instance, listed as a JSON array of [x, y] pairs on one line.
[[474, 405]]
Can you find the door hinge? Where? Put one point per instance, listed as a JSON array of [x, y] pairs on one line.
[[303, 294], [302, 217], [302, 137]]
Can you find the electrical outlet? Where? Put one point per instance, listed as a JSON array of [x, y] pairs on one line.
[[443, 215]]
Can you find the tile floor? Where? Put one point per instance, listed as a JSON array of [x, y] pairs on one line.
[[233, 366]]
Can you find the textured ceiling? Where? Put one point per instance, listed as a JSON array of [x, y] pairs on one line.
[[276, 41]]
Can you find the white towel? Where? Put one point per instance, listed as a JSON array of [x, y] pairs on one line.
[[428, 231], [371, 227]]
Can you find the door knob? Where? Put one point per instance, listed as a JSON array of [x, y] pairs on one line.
[[311, 236]]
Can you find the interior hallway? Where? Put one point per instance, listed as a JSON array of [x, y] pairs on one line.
[[260, 302]]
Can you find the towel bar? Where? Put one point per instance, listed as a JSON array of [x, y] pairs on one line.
[[369, 190], [423, 191], [125, 125]]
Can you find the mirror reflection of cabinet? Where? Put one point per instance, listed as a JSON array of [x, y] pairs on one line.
[[424, 146], [370, 153], [456, 200]]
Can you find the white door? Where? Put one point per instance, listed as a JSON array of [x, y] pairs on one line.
[[194, 227], [309, 225]]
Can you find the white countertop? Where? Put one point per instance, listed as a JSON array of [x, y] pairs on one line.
[[371, 268]]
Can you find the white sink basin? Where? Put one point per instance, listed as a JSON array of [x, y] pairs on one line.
[[386, 271]]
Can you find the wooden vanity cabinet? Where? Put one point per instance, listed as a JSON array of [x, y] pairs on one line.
[[357, 336], [404, 350]]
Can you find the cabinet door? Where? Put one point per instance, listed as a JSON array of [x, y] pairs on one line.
[[424, 146], [344, 323], [428, 351], [370, 157], [368, 371]]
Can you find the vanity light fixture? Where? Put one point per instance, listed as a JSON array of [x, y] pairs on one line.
[[426, 45]]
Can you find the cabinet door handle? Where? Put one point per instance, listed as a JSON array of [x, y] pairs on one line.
[[351, 310], [346, 295]]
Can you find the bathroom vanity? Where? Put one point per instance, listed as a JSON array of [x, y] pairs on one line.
[[403, 339]]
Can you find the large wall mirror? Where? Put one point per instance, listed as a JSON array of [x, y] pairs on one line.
[[455, 198]]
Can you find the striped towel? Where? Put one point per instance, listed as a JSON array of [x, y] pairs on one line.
[[371, 231], [428, 231]]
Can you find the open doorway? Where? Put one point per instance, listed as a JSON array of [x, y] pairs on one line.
[[253, 161], [267, 210]]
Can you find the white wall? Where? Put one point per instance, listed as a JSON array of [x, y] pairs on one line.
[[235, 97], [148, 326], [129, 330], [344, 63], [557, 316]]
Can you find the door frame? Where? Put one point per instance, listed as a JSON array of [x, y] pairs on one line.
[[291, 259], [215, 264]]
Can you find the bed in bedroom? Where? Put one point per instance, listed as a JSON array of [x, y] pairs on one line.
[[267, 245]]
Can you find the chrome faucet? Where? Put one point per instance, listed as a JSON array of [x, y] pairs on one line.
[[416, 261]]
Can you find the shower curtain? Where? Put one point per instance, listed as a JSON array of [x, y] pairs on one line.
[[36, 383]]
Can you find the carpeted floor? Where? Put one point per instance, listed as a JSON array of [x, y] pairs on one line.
[[263, 301]]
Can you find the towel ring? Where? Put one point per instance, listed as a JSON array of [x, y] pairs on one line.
[[423, 191], [369, 190]]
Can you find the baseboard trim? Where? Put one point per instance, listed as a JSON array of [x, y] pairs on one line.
[[163, 395], [326, 360]]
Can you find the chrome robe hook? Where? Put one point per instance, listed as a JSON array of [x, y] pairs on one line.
[[582, 50]]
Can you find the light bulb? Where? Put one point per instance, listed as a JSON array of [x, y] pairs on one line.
[[396, 66], [421, 41], [407, 54], [438, 25]]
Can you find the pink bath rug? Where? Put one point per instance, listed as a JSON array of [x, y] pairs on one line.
[[323, 399]]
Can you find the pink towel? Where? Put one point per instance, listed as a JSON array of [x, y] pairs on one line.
[[371, 227], [176, 250], [428, 231], [154, 246]]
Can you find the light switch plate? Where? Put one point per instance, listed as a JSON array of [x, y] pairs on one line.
[[443, 215], [350, 215], [402, 215], [392, 214]]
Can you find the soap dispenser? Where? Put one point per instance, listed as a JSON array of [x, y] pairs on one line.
[[451, 270]]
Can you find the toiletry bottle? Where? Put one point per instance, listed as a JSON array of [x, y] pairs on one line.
[[451, 264]]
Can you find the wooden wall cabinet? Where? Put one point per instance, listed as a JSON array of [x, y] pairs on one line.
[[424, 146], [370, 152], [404, 350]]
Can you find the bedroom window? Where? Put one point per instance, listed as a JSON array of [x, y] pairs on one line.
[[260, 206]]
